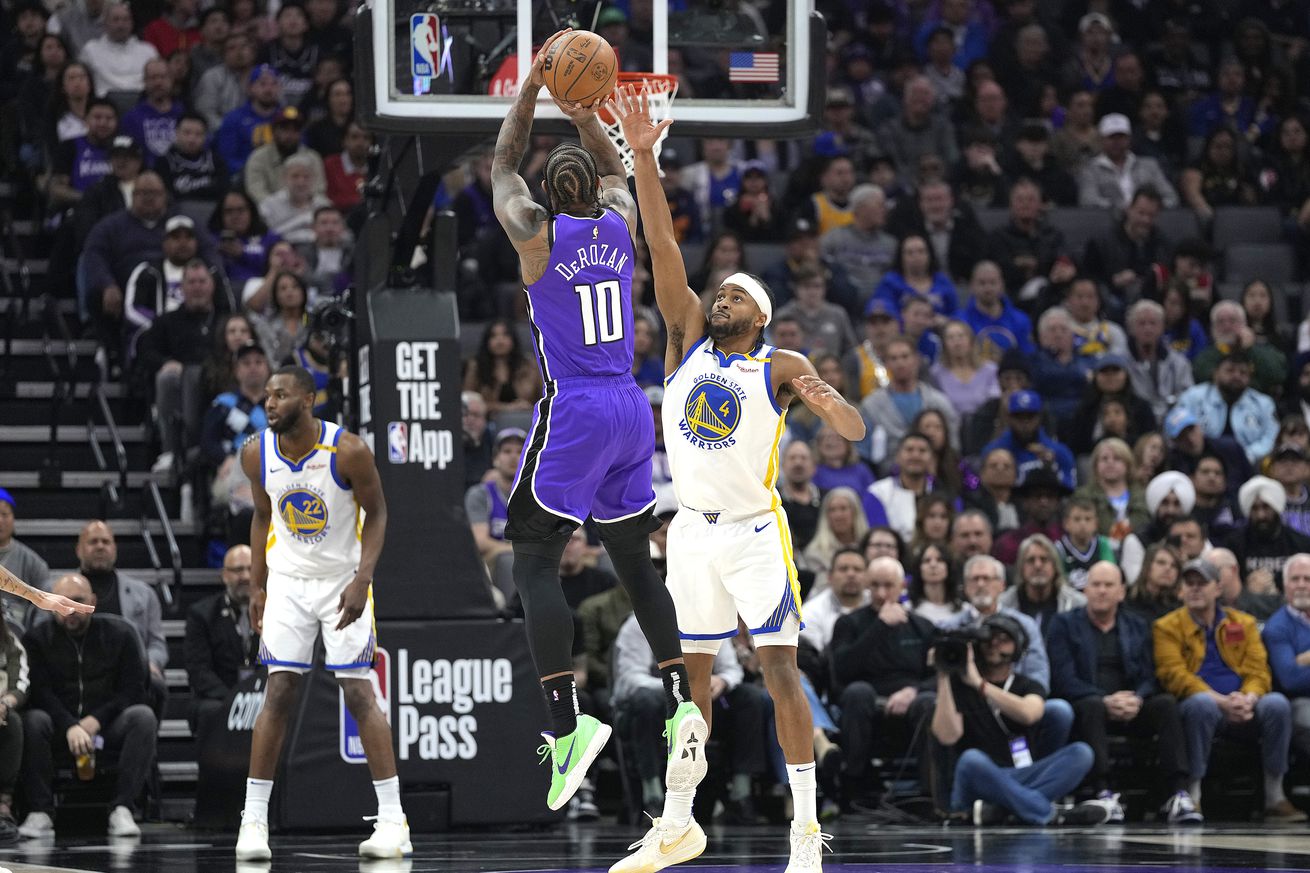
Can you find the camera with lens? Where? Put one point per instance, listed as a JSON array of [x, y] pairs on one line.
[[330, 319], [951, 648]]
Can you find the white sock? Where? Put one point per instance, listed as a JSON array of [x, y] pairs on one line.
[[1274, 790], [801, 777], [677, 806], [388, 792], [1194, 789], [258, 791]]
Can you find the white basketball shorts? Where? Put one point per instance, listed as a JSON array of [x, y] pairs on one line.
[[720, 570], [298, 610]]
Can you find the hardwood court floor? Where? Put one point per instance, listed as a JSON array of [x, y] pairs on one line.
[[859, 848]]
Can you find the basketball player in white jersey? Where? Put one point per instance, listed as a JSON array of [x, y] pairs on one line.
[[312, 481], [729, 549]]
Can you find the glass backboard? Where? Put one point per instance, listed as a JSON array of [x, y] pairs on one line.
[[744, 68]]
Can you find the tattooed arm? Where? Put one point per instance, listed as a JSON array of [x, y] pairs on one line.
[[43, 599]]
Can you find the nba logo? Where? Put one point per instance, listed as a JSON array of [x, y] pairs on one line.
[[398, 442], [352, 746], [425, 43]]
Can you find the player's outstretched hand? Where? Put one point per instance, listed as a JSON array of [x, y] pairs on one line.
[[537, 72], [61, 605], [576, 112], [632, 109], [816, 392], [352, 603]]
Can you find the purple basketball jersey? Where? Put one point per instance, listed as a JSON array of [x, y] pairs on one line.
[[581, 308]]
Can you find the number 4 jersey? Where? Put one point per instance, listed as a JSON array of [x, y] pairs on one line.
[[581, 308], [316, 522]]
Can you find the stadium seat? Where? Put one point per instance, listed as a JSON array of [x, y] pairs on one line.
[[1272, 262], [1283, 296], [762, 256], [1179, 224], [1246, 224], [993, 218], [1079, 226]]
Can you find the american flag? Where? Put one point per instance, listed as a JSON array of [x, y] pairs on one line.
[[753, 67]]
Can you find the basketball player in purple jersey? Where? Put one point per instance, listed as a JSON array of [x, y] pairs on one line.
[[729, 546], [589, 450]]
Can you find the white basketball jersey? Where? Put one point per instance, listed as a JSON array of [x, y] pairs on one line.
[[316, 522], [722, 427]]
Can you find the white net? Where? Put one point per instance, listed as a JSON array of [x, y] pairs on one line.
[[660, 90]]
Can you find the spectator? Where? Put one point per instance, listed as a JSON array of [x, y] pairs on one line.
[[1234, 593], [739, 708], [153, 121], [1215, 507], [1112, 178], [971, 534], [1039, 493], [1032, 160], [1125, 95], [347, 169], [863, 248], [1190, 443], [1213, 661], [830, 208], [1123, 261], [1060, 374], [79, 22], [964, 378], [235, 416], [1028, 248], [801, 497], [477, 438], [221, 647], [1091, 65], [1013, 373], [221, 89], [934, 586], [1228, 107], [500, 371], [110, 194], [914, 274], [249, 126], [266, 167], [1180, 70], [917, 130], [1287, 639], [175, 30], [245, 244], [995, 494], [847, 591], [838, 464], [289, 211], [754, 216], [647, 352], [1119, 506], [1169, 497], [326, 31], [1148, 452], [1285, 177], [191, 170], [1041, 590], [1218, 178], [172, 352], [880, 674], [1184, 333], [895, 407], [1102, 663], [64, 116], [285, 327], [1159, 374], [894, 499], [863, 364], [1029, 443], [1188, 536], [155, 287], [977, 177], [219, 371], [1078, 141], [1231, 334], [724, 255], [487, 502], [714, 180], [19, 559], [88, 692], [291, 54], [1093, 336], [327, 135], [1265, 543], [1158, 133], [842, 525], [79, 163], [1258, 304], [328, 259], [1229, 407], [117, 59], [994, 716], [1110, 384], [848, 134], [215, 27], [953, 232], [918, 318], [1154, 593], [984, 582], [997, 324], [1080, 546], [1289, 465]]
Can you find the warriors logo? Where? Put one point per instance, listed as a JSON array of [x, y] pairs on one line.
[[713, 412], [305, 514]]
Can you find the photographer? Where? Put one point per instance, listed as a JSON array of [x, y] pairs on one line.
[[992, 716], [880, 673]]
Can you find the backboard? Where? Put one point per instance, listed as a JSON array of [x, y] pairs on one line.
[[453, 66]]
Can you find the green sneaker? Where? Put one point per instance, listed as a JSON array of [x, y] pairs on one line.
[[686, 734], [570, 757]]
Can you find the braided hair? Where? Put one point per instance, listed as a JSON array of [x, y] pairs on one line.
[[572, 178]]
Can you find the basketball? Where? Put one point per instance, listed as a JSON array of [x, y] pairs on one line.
[[581, 68]]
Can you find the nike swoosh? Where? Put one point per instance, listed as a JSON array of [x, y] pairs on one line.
[[804, 769], [276, 470], [666, 848], [763, 526], [563, 768]]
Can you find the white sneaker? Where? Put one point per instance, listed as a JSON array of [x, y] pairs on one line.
[[37, 824], [122, 824], [1111, 800], [686, 734], [1180, 809], [163, 463], [664, 845], [390, 840], [807, 849], [252, 841]]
